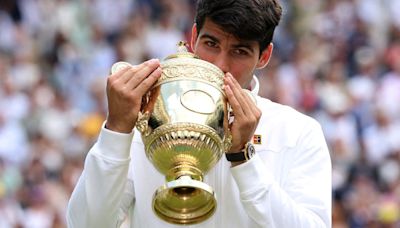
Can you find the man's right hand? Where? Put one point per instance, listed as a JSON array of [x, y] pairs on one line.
[[125, 90]]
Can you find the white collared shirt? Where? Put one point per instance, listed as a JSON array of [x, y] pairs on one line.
[[286, 184]]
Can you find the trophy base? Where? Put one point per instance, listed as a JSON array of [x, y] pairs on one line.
[[184, 201]]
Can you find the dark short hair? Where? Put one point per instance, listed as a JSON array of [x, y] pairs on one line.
[[245, 19]]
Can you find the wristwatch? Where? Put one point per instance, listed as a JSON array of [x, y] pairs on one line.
[[243, 155]]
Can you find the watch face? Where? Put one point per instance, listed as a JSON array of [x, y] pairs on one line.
[[244, 155], [251, 150]]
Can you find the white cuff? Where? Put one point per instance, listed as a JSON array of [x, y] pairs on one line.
[[114, 145], [252, 175]]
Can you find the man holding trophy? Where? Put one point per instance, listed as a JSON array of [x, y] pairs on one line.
[[194, 122]]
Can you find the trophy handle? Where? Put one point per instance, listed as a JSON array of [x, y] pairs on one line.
[[142, 123], [227, 140], [144, 116]]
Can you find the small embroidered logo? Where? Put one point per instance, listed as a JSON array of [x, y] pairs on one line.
[[256, 139]]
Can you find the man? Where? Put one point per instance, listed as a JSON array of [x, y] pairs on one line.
[[287, 183]]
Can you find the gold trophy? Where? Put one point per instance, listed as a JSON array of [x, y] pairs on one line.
[[184, 127]]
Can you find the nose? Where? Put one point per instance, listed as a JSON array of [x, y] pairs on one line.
[[222, 61]]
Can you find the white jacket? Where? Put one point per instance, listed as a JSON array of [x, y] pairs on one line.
[[286, 185]]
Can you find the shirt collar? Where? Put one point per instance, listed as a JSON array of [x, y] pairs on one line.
[[254, 86]]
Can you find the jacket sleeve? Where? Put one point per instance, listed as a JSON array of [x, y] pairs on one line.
[[302, 198], [103, 193]]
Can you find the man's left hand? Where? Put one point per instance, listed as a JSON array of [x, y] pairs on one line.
[[246, 113]]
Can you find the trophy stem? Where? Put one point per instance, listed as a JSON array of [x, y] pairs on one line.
[[184, 169], [184, 201]]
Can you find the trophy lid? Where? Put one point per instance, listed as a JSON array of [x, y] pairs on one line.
[[186, 65]]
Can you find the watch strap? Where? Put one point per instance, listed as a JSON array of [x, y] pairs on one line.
[[235, 157], [243, 155]]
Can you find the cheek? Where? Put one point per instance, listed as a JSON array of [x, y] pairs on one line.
[[242, 72], [203, 54]]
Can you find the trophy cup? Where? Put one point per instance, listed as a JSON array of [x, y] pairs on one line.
[[184, 126]]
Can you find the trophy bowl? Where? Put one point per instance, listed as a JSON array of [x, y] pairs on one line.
[[184, 126]]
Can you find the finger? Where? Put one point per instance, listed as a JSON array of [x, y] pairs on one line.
[[235, 87], [249, 101], [124, 78], [121, 72], [113, 81], [234, 81], [140, 74], [238, 94], [119, 66], [149, 81], [126, 71], [247, 105], [117, 74], [233, 101], [253, 108]]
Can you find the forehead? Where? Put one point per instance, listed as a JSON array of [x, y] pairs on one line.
[[212, 30]]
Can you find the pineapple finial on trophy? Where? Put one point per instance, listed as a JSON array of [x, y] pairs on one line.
[[182, 46]]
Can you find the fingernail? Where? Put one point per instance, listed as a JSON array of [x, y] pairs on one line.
[[153, 61]]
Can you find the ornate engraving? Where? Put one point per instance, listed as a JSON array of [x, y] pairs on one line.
[[184, 69], [227, 141], [142, 123], [191, 139]]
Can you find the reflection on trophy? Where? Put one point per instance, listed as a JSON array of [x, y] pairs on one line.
[[184, 127]]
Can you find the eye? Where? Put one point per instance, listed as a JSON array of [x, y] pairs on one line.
[[240, 52], [210, 43]]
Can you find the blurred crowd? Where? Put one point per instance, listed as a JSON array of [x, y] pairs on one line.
[[335, 60]]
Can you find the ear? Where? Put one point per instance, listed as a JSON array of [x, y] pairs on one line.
[[265, 56], [194, 37]]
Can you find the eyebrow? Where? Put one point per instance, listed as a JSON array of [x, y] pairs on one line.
[[208, 36], [241, 44]]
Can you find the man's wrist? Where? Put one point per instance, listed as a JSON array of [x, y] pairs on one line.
[[116, 145], [117, 128], [240, 157], [233, 164]]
